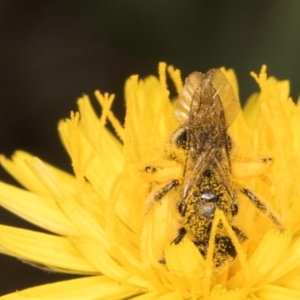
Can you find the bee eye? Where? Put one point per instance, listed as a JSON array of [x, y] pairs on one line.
[[209, 196], [179, 138]]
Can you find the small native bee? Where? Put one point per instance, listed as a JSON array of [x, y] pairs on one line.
[[206, 107]]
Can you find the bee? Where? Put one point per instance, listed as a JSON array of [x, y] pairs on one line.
[[205, 109]]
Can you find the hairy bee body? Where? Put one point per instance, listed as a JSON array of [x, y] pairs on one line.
[[207, 173]]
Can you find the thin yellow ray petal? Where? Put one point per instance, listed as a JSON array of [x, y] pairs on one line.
[[125, 201], [149, 117], [128, 259], [147, 296], [89, 121], [19, 169], [294, 283], [290, 266], [251, 111], [171, 296], [45, 249], [36, 209], [100, 165], [176, 78], [185, 262], [82, 219], [274, 292], [265, 258], [88, 288], [94, 253], [218, 292], [119, 129], [184, 259], [160, 228]]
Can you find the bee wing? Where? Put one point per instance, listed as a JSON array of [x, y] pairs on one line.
[[192, 89], [193, 168], [186, 96], [206, 107], [231, 105]]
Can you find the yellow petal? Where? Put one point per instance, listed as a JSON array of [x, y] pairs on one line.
[[218, 292], [95, 287], [149, 117], [100, 165], [265, 258], [184, 259], [107, 265], [148, 296], [84, 221], [39, 210], [171, 296], [160, 228], [274, 292], [18, 168], [290, 266], [45, 249]]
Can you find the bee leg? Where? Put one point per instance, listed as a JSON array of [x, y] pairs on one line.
[[240, 234], [181, 234], [177, 240], [182, 208], [167, 188], [263, 207]]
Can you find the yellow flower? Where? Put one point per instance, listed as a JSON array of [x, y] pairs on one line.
[[106, 224]]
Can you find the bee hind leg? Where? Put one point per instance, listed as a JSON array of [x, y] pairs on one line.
[[177, 240], [263, 207], [180, 236], [240, 234]]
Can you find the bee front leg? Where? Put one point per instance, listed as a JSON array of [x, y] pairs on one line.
[[158, 194], [164, 190]]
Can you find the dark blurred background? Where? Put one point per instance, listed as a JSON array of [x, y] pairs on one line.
[[51, 52]]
